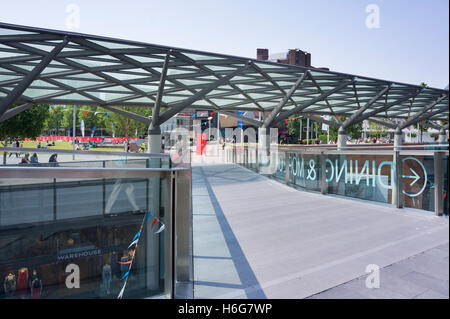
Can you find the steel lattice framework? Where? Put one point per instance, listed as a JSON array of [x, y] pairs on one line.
[[55, 67]]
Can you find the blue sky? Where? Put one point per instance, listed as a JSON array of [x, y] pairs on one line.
[[411, 45]]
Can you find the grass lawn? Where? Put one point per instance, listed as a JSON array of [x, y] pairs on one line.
[[68, 146]]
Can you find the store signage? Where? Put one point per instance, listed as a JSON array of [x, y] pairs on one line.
[[79, 252], [202, 114], [348, 171]]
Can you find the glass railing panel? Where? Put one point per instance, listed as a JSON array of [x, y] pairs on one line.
[[280, 166], [49, 227], [445, 164], [21, 203], [363, 176], [304, 170]]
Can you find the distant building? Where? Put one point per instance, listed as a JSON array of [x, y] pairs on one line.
[[292, 57]]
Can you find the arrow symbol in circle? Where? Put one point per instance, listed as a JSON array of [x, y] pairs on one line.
[[416, 177]]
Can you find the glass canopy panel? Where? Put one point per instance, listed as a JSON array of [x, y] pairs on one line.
[[282, 75], [40, 83], [10, 78], [172, 99], [210, 77], [146, 88], [93, 63], [34, 93], [115, 45], [4, 54], [222, 92], [117, 88], [5, 31], [72, 49], [74, 83], [145, 59], [194, 82], [177, 71], [198, 57], [236, 97], [247, 87], [248, 106], [264, 66], [50, 70], [241, 78], [220, 68], [222, 102], [267, 105], [111, 96], [182, 93], [43, 47], [73, 97], [142, 100], [125, 77], [261, 96]]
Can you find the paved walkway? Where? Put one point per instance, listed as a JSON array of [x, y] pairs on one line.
[[257, 238]]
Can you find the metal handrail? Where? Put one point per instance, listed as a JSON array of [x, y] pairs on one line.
[[85, 172], [62, 151]]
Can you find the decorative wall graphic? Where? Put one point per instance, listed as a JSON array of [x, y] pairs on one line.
[[415, 177], [347, 171]]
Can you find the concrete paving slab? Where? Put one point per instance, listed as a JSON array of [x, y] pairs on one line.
[[287, 243]]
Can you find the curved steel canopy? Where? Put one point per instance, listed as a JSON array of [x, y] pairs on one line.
[[55, 67]]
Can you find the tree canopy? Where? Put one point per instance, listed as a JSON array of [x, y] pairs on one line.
[[29, 123]]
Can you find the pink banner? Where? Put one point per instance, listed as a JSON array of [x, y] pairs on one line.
[[109, 140]]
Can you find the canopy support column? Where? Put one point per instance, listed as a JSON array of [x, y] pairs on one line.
[[398, 138], [342, 138], [443, 134], [154, 130]]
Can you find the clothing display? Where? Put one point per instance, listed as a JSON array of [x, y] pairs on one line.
[[106, 278], [10, 285], [35, 286], [22, 281], [114, 265]]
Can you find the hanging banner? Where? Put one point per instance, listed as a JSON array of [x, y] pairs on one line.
[[325, 126], [82, 128], [134, 243]]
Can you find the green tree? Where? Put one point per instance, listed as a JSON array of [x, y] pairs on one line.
[[28, 124], [125, 126], [55, 119]]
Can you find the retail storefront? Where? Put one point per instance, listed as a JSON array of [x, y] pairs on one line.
[[34, 261]]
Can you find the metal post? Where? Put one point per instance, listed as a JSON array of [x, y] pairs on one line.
[[438, 184], [323, 171], [342, 138], [398, 139], [286, 168], [218, 130], [307, 131], [301, 129], [397, 189], [328, 134], [74, 130], [183, 224]]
